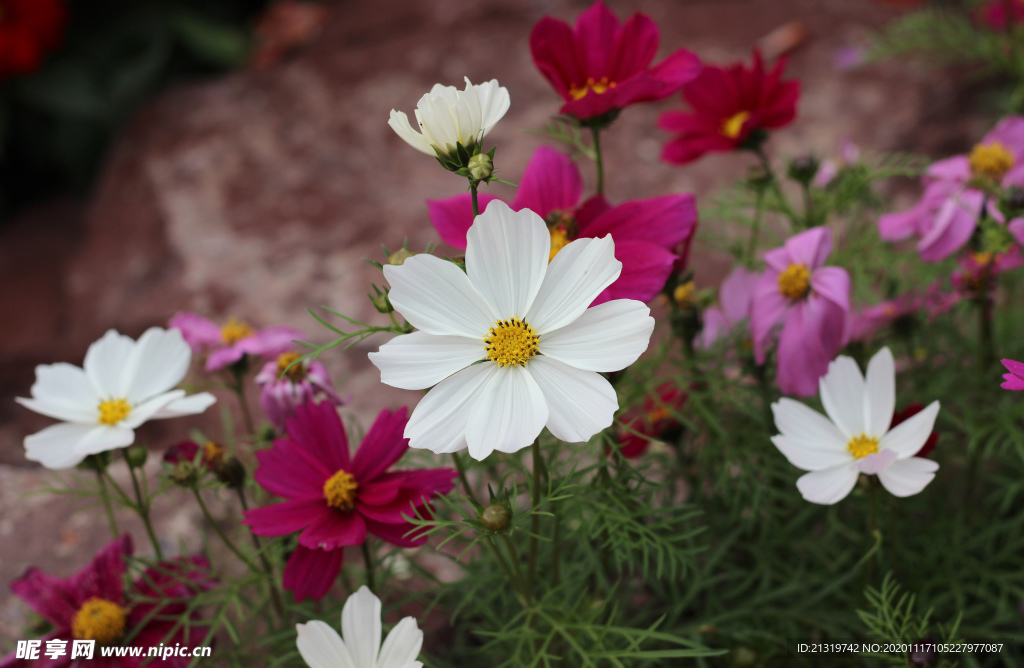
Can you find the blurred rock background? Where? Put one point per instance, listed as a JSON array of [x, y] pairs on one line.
[[258, 193]]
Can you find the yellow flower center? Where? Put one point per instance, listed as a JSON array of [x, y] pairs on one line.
[[795, 281], [340, 490], [99, 620], [113, 411], [286, 360], [511, 342], [213, 453], [862, 446], [734, 124], [990, 160], [235, 330], [598, 87], [683, 294]]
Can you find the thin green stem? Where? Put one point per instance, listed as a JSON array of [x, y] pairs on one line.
[[371, 577], [535, 517], [476, 202], [220, 532], [275, 595], [461, 468], [105, 493], [598, 158], [755, 229], [142, 508]]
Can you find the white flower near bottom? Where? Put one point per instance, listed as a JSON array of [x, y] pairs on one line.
[[510, 344], [123, 384], [322, 647], [855, 438]]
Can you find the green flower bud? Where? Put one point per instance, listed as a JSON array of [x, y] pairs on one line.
[[496, 517], [136, 456], [480, 166], [398, 258]]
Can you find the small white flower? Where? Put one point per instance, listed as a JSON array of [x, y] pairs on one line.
[[124, 383], [447, 115], [322, 647], [855, 438], [510, 343]]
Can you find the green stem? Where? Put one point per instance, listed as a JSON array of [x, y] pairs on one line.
[[142, 508], [371, 578], [220, 532], [535, 518], [755, 230], [461, 468], [598, 158], [476, 203], [104, 492], [275, 595]]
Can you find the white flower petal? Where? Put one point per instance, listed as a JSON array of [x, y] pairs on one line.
[[506, 258], [879, 393], [321, 647], [191, 405], [906, 477], [438, 422], [105, 363], [437, 297], [157, 363], [909, 436], [399, 122], [575, 277], [808, 429], [508, 415], [810, 459], [360, 627], [67, 389], [842, 395], [420, 360], [828, 486], [64, 445], [607, 337], [402, 645], [580, 403], [147, 409]]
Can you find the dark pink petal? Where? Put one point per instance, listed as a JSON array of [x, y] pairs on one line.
[[766, 312], [224, 357], [318, 429], [281, 519], [810, 248], [551, 182], [199, 333], [334, 529], [271, 342], [453, 217], [290, 471], [832, 283], [383, 445], [645, 268], [553, 48], [664, 221], [311, 572], [402, 535]]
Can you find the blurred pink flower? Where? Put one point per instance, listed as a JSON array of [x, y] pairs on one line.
[[734, 299], [282, 392], [233, 341]]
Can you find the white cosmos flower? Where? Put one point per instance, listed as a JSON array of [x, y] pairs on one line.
[[322, 647], [510, 343], [124, 383], [447, 115], [855, 438]]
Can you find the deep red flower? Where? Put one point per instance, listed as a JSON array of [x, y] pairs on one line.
[[729, 105], [651, 421], [909, 412], [92, 605], [29, 29], [602, 65], [333, 498]]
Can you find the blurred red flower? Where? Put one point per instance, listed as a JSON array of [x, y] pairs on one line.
[[729, 106], [29, 29]]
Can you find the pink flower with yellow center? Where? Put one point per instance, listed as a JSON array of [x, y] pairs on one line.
[[230, 342]]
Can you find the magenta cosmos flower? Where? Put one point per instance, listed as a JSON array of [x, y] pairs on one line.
[[1015, 379], [955, 192], [601, 66], [333, 498], [811, 303], [285, 385], [93, 605], [645, 231], [734, 300], [233, 341]]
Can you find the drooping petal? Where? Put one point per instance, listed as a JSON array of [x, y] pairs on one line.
[[828, 486], [420, 360], [879, 393], [437, 297], [361, 627], [507, 256], [402, 645], [907, 438], [383, 445], [551, 182], [438, 422], [64, 445], [157, 363], [508, 415], [906, 477], [607, 337], [575, 277], [842, 396], [310, 573], [105, 363], [453, 217], [580, 403]]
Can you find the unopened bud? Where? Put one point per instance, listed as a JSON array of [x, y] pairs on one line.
[[480, 166], [398, 258], [136, 456], [496, 517]]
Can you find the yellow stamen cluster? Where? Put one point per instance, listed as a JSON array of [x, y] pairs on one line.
[[598, 87], [683, 294], [286, 360], [113, 411], [340, 490], [990, 160], [511, 342], [862, 446], [795, 281], [99, 620], [733, 125], [235, 330]]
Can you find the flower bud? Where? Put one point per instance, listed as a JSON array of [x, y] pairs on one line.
[[496, 517], [136, 456], [398, 258], [480, 166], [803, 169]]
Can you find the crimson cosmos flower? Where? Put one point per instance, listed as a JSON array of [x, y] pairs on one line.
[[333, 498], [29, 29], [92, 605], [729, 105], [603, 66]]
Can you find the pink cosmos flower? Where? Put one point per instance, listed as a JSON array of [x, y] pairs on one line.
[[233, 341], [92, 605], [333, 498], [947, 213], [645, 231], [602, 66], [280, 395], [810, 301], [734, 306], [1015, 379]]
